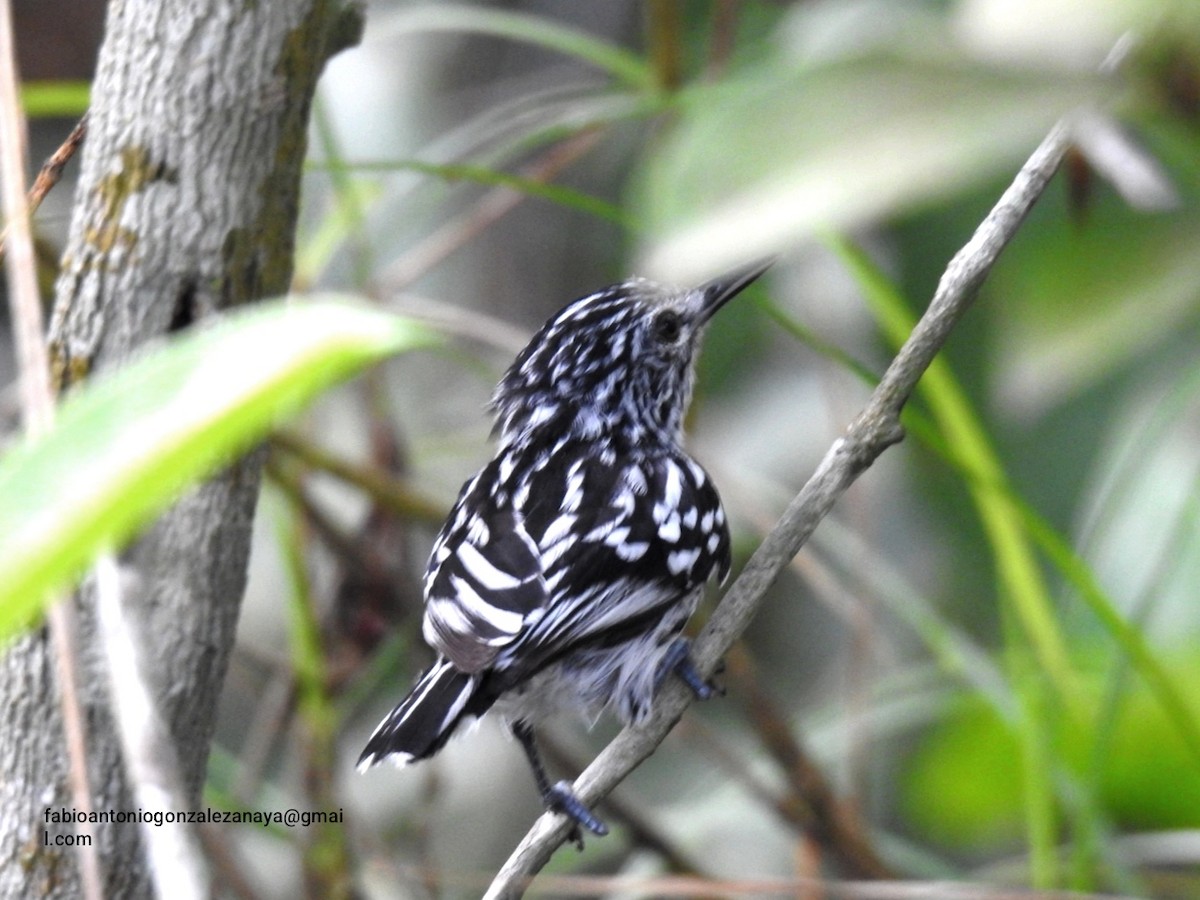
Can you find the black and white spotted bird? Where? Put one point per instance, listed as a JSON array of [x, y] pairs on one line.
[[565, 573]]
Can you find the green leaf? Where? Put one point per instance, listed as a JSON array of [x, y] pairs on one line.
[[128, 443]]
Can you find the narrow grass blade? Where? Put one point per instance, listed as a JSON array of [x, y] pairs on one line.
[[452, 17]]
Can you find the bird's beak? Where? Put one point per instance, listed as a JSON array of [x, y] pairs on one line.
[[721, 290]]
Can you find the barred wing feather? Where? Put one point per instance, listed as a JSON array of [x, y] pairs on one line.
[[484, 592], [588, 554]]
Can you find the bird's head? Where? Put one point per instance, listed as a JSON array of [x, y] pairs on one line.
[[615, 365]]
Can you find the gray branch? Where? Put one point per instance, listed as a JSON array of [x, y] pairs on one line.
[[875, 429]]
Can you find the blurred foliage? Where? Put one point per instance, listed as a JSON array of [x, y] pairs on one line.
[[963, 788], [124, 446], [915, 124]]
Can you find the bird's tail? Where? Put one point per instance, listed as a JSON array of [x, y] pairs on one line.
[[420, 726]]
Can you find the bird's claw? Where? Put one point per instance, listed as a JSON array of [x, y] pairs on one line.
[[678, 660], [562, 799]]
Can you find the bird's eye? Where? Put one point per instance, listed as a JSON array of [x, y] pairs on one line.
[[667, 327]]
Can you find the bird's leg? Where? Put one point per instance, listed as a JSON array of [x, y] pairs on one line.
[[558, 797], [678, 659]]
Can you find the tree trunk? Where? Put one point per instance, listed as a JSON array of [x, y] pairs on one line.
[[186, 206]]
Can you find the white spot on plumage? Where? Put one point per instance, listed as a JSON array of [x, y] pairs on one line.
[[632, 551], [714, 540], [554, 552], [669, 530], [590, 425], [673, 489], [706, 521], [689, 517], [399, 759], [507, 464], [521, 496], [680, 561], [543, 412], [616, 536], [601, 531]]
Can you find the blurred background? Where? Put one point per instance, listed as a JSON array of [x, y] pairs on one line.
[[984, 665]]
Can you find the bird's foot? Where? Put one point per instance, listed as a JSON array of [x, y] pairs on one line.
[[562, 799], [678, 659]]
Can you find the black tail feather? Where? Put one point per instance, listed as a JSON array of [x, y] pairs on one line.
[[420, 726]]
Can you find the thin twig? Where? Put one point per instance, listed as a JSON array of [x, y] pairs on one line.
[[663, 28], [344, 546], [833, 824], [383, 488], [50, 174], [720, 45], [37, 405], [272, 712], [460, 322], [37, 399], [875, 429], [52, 168]]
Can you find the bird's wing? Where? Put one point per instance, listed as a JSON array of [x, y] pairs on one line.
[[624, 543], [585, 552], [484, 582]]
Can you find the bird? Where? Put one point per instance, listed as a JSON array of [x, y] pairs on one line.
[[569, 565]]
